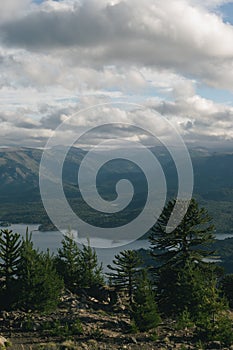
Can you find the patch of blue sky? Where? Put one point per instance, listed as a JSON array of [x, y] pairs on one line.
[[217, 95], [142, 97], [226, 11], [134, 99], [159, 92]]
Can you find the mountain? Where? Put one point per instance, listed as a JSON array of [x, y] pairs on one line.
[[20, 195]]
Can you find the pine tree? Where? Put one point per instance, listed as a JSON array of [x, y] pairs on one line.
[[68, 262], [9, 260], [188, 241], [144, 308], [127, 264], [39, 286], [183, 277], [91, 272]]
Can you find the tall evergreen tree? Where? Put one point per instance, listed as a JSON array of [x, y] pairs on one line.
[[9, 260], [39, 286], [144, 308], [188, 241], [91, 272], [183, 277], [124, 276], [68, 262]]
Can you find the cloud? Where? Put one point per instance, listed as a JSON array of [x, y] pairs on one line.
[[171, 34], [198, 120], [210, 4], [57, 57], [13, 8]]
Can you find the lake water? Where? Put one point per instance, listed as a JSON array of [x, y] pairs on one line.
[[52, 240]]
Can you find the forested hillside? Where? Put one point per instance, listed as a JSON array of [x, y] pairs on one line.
[[20, 197]]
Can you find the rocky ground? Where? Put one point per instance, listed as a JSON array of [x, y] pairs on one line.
[[89, 325]]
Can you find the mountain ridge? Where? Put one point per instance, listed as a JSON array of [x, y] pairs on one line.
[[20, 195]]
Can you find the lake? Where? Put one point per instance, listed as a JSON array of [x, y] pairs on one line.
[[52, 240]]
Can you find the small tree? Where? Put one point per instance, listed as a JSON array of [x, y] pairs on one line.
[[144, 308], [68, 262], [127, 264], [91, 273], [9, 260], [39, 286]]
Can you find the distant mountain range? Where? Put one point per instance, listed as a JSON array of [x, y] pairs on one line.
[[20, 196]]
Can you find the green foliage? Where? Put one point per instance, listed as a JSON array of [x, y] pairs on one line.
[[226, 286], [187, 241], [133, 327], [199, 345], [39, 286], [77, 327], [219, 329], [9, 261], [184, 281], [197, 292], [125, 272], [64, 330], [154, 336], [185, 320], [190, 289], [78, 267], [68, 262], [91, 273], [144, 308]]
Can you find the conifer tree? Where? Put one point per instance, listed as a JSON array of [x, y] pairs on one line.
[[188, 241], [9, 260], [68, 262], [124, 276], [39, 286], [91, 272], [185, 281], [144, 308]]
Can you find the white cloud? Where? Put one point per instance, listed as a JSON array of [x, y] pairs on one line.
[[13, 9], [169, 34], [56, 57]]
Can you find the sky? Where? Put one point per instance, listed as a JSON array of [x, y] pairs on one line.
[[172, 56]]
